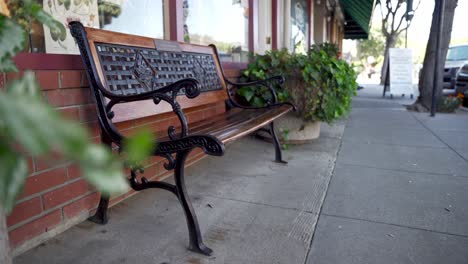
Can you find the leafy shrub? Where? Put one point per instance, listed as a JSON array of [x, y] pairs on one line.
[[318, 83], [448, 104]]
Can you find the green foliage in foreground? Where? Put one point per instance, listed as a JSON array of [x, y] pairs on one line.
[[27, 121], [28, 126], [449, 104], [318, 83]]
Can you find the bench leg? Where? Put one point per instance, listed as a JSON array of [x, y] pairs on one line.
[[196, 243], [278, 154], [100, 217]]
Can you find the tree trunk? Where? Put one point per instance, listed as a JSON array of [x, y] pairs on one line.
[[5, 257], [426, 81], [389, 43]]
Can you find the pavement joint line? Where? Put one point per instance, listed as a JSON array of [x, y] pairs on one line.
[[353, 126], [328, 137], [397, 225], [257, 203], [437, 136], [400, 170], [390, 144], [325, 196], [379, 109]]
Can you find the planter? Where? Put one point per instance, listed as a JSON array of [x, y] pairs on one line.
[[297, 130]]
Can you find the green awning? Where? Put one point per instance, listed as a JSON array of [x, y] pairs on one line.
[[358, 14]]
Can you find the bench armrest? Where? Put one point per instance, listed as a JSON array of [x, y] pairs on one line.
[[168, 94], [268, 83], [191, 86]]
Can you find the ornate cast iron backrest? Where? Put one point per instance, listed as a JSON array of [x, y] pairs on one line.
[[130, 70], [127, 65], [130, 65], [125, 68]]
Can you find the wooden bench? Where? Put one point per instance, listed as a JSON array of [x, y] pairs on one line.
[[127, 71]]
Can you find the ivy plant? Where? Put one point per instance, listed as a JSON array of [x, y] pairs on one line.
[[319, 83]]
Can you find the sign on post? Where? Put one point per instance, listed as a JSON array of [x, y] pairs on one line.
[[401, 71]]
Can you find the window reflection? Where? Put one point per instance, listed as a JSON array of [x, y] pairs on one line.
[[220, 22], [136, 17], [299, 26]]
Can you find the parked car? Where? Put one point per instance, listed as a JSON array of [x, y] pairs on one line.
[[456, 69]]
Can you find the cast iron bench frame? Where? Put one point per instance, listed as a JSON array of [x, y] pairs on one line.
[[145, 84]]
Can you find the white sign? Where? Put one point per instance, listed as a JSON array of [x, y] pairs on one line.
[[85, 11], [401, 71]]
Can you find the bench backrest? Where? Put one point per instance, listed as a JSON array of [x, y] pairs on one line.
[[129, 65]]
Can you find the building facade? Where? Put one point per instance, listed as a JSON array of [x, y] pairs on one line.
[[56, 196]]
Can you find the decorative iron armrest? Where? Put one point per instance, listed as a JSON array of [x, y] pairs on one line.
[[265, 83], [209, 144], [191, 86], [168, 94]]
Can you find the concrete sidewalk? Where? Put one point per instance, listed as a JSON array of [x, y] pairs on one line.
[[386, 186], [399, 193], [250, 209]]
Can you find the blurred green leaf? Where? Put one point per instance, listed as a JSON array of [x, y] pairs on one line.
[[30, 125], [57, 29], [13, 173], [26, 119], [102, 170], [12, 40], [258, 101], [246, 92], [138, 147]]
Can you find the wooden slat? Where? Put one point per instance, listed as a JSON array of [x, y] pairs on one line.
[[146, 108], [236, 123]]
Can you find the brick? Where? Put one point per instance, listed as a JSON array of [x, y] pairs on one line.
[[2, 80], [71, 79], [151, 171], [74, 172], [43, 181], [34, 228], [85, 80], [64, 194], [25, 210], [71, 113], [152, 160], [93, 129], [30, 165], [11, 76], [96, 140], [68, 97], [88, 113], [52, 161], [118, 199], [48, 79], [82, 205]]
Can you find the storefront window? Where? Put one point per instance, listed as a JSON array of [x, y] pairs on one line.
[[224, 23], [299, 26], [138, 17]]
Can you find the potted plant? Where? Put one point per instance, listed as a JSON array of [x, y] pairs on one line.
[[318, 83]]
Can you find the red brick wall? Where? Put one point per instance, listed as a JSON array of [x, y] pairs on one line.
[[55, 193]]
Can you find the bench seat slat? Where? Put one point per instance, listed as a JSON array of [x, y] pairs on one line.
[[235, 123]]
